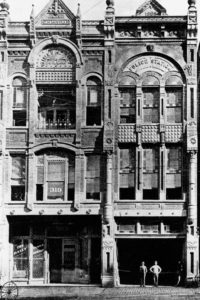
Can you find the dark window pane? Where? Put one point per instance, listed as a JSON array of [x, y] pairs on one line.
[[39, 192], [18, 193], [19, 118], [127, 193]]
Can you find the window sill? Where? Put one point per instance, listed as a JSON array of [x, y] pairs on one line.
[[92, 127]]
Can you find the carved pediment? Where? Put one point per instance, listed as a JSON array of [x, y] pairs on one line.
[[55, 14], [151, 8]]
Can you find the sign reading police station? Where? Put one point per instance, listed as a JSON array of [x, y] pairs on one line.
[[150, 63]]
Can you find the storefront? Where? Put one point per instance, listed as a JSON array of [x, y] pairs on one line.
[[138, 240], [55, 250]]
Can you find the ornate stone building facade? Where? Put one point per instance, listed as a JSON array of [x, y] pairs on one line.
[[98, 132]]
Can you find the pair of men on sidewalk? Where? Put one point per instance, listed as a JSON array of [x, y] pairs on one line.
[[155, 270]]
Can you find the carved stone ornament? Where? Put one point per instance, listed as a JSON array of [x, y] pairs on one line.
[[57, 57], [150, 48]]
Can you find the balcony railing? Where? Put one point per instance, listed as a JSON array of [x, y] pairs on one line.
[[57, 125]]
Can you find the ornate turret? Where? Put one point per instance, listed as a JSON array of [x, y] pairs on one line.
[[4, 6], [192, 2], [110, 3]]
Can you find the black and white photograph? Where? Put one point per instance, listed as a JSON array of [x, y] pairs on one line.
[[99, 161]]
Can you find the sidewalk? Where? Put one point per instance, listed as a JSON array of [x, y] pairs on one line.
[[93, 292]]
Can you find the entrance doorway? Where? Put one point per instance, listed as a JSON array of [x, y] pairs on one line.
[[131, 252]]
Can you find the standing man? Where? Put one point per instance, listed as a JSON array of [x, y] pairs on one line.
[[143, 272], [155, 269]]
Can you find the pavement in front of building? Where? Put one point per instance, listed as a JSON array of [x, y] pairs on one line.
[[93, 292]]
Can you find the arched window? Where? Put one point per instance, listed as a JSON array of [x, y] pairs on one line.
[[127, 89], [174, 95], [94, 99], [20, 97], [151, 98]]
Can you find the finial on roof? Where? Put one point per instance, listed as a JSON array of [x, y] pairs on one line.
[[79, 10], [110, 3], [4, 5], [33, 11], [192, 2]]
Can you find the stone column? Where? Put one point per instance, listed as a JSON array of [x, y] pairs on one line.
[[192, 241], [79, 179], [31, 184], [107, 275]]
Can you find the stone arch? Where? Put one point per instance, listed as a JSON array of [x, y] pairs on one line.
[[158, 62], [92, 74], [18, 74], [59, 42], [60, 145]]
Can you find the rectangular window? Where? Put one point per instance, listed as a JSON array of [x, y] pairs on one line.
[[174, 105], [55, 178], [127, 105], [127, 174], [93, 177], [151, 97], [150, 173], [20, 258], [18, 178], [174, 173], [38, 258], [93, 105], [57, 107]]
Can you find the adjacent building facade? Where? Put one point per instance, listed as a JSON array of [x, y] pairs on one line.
[[98, 140]]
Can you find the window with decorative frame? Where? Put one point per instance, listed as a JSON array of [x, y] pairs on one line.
[[20, 101], [151, 98], [94, 101], [18, 177], [174, 173], [127, 173], [127, 90], [55, 177], [174, 100]]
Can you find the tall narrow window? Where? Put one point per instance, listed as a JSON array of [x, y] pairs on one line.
[[150, 173], [174, 99], [127, 174], [94, 98], [18, 178], [55, 177], [174, 173], [93, 177], [174, 104], [151, 105], [20, 96], [20, 258], [127, 89]]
